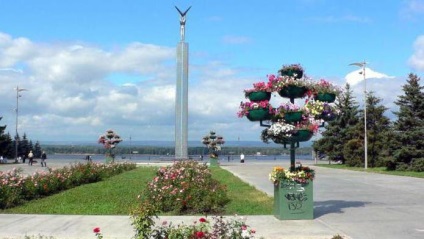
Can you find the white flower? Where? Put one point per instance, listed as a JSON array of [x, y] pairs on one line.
[[281, 129]]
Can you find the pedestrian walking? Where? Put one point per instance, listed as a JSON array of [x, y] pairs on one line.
[[43, 159], [241, 158], [31, 158]]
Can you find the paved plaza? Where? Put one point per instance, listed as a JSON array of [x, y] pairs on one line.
[[356, 205]]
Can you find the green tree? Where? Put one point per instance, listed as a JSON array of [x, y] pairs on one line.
[[409, 125], [23, 146], [339, 131], [37, 150], [377, 126], [3, 141]]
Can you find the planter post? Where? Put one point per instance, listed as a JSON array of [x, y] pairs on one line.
[[213, 142]]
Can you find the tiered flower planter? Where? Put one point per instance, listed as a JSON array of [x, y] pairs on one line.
[[213, 142], [293, 191]]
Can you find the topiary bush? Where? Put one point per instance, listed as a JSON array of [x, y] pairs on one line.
[[186, 187]]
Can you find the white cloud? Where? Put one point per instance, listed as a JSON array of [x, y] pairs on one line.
[[412, 9], [416, 61], [70, 96], [357, 76]]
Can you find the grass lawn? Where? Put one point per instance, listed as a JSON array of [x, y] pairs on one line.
[[118, 196], [375, 170]]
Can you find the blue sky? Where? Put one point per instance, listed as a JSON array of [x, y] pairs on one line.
[[94, 65]]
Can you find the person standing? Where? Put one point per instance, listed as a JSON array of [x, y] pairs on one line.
[[31, 158], [43, 159], [241, 158]]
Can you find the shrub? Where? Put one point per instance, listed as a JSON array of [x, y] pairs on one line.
[[186, 187], [10, 187], [402, 166], [417, 165], [390, 164], [354, 153]]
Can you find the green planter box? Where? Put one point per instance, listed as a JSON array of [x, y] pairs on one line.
[[213, 162], [259, 96], [258, 114], [294, 201], [293, 91], [292, 72], [326, 97], [109, 159], [290, 117]]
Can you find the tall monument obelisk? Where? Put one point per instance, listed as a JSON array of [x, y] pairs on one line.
[[181, 96]]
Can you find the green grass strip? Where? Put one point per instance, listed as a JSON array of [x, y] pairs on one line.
[[118, 196], [245, 199]]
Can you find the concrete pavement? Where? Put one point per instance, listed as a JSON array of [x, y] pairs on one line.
[[353, 204]]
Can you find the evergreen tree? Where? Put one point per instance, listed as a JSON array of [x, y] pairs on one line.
[[23, 146], [37, 150], [377, 126], [10, 148], [3, 141], [338, 132], [409, 126]]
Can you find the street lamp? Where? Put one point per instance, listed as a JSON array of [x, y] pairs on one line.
[[363, 64], [17, 112]]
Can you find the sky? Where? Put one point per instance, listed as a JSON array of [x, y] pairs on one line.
[[90, 66]]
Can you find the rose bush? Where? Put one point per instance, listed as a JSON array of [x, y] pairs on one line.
[[186, 187]]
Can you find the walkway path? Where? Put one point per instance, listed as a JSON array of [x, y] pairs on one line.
[[354, 204]]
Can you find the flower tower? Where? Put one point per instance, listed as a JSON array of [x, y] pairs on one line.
[[213, 142], [289, 124], [109, 141]]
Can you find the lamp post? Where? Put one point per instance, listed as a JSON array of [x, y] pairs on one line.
[[16, 128], [363, 64]]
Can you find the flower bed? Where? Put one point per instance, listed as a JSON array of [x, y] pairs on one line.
[[218, 227], [186, 187], [16, 188]]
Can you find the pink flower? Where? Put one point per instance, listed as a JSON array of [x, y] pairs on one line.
[[244, 227]]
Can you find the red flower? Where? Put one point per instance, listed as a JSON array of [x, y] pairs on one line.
[[200, 234], [96, 230], [202, 219]]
